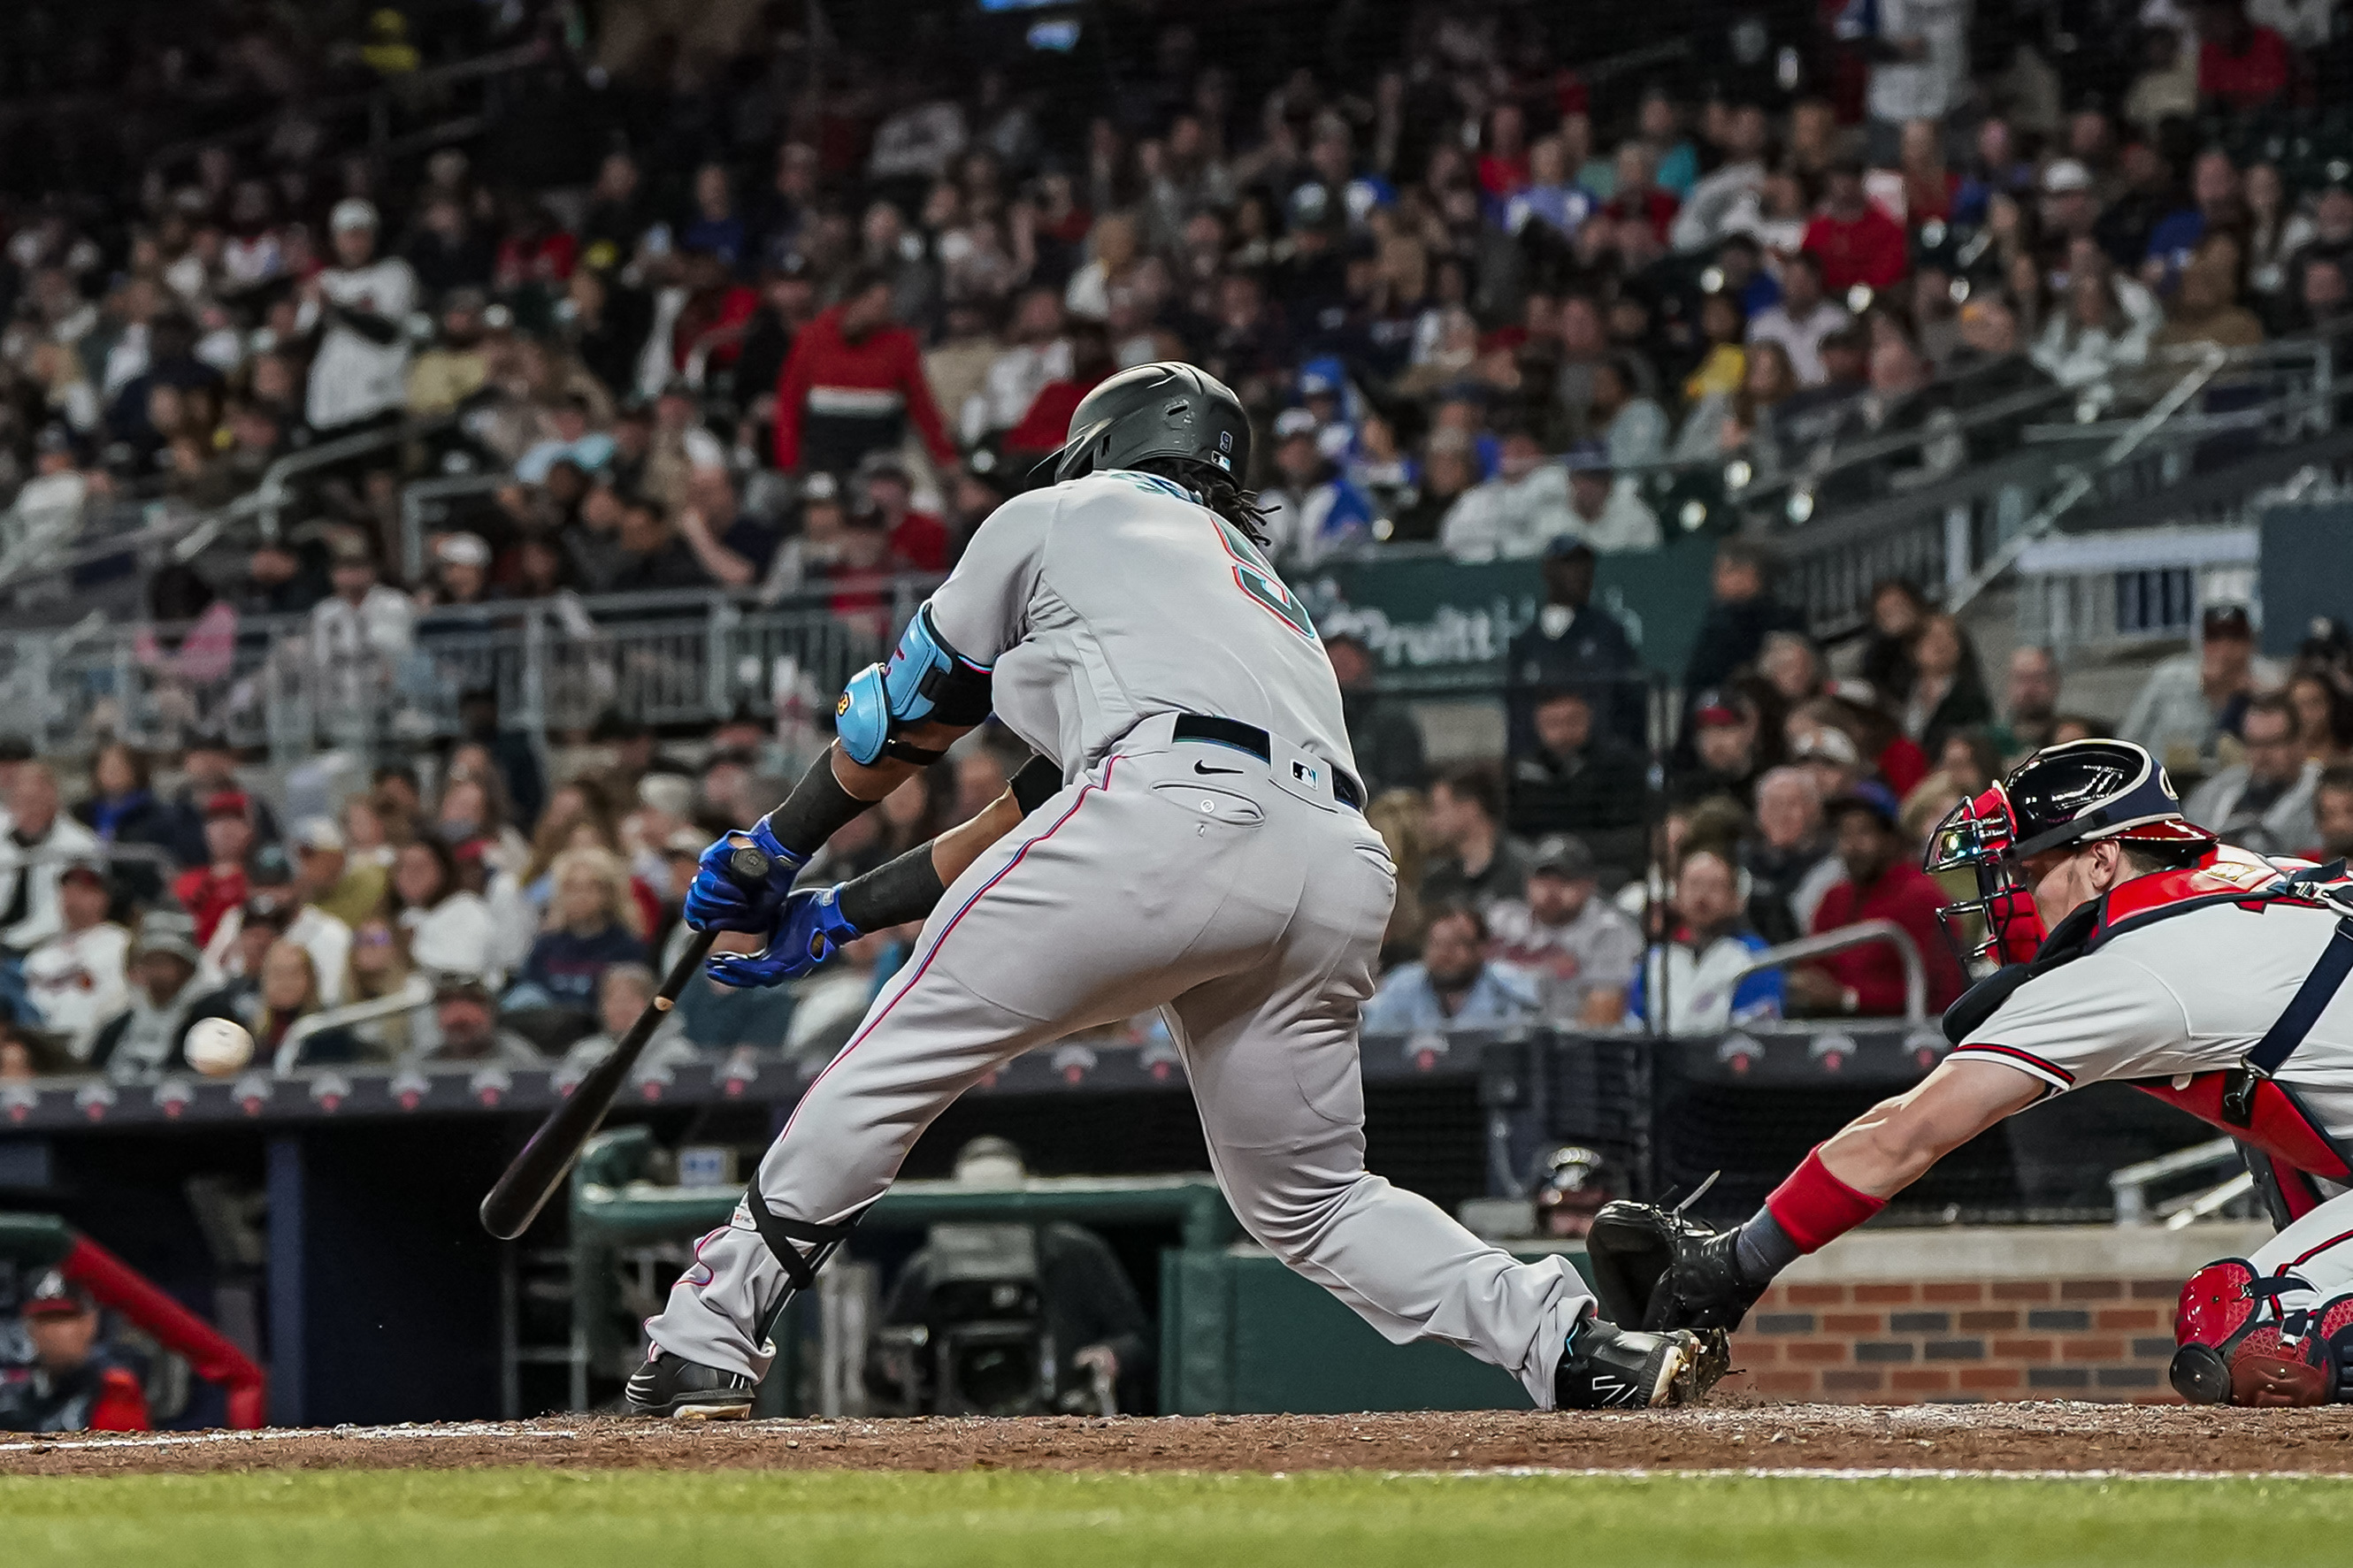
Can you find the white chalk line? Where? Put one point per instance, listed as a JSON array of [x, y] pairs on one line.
[[67, 1442], [1861, 1473]]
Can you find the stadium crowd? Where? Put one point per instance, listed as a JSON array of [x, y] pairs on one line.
[[723, 311]]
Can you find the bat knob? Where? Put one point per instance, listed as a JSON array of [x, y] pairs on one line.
[[749, 867]]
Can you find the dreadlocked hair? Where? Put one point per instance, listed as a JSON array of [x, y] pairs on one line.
[[1217, 491]]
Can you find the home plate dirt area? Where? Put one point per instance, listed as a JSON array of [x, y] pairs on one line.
[[2026, 1438]]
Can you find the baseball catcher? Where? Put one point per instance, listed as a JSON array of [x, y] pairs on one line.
[[2207, 977], [1191, 839]]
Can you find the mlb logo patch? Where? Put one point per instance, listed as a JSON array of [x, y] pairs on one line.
[[1312, 777]]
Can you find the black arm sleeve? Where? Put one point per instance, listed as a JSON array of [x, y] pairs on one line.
[[816, 810], [894, 892], [1038, 782]]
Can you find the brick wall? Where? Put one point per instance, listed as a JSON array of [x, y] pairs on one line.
[[1883, 1341]]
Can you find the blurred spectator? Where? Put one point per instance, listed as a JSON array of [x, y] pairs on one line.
[[329, 880], [359, 635], [145, 1040], [2323, 716], [466, 1025], [853, 380], [38, 841], [1579, 948], [359, 307], [1577, 778], [289, 993], [2239, 63], [1946, 692], [1802, 319], [2332, 815], [122, 810], [1472, 861], [1790, 861], [1855, 242], [721, 1018], [917, 538], [1517, 513], [623, 994], [1400, 817], [449, 929], [2030, 700], [1384, 736], [2203, 314], [1686, 985], [1898, 608], [78, 979], [1604, 510], [1311, 508], [379, 968], [1792, 666], [2266, 803], [1920, 56], [2192, 700], [269, 874], [1725, 749], [1573, 642], [73, 1384], [1452, 986], [592, 923], [2092, 335], [211, 891], [1742, 614], [1882, 881], [208, 770]]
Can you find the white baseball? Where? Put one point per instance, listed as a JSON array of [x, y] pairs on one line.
[[218, 1046]]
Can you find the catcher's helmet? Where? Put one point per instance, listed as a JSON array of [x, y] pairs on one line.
[[2062, 796], [1159, 410]]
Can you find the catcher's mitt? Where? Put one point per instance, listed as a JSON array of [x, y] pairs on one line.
[[1654, 1270]]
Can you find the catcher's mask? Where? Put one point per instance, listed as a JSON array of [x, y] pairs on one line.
[[2061, 798]]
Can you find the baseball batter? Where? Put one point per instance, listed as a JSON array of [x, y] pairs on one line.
[[2205, 975], [1189, 839]]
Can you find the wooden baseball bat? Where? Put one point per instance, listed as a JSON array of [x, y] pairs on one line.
[[533, 1176]]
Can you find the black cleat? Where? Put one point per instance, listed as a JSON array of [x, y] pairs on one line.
[[1605, 1367], [685, 1391]]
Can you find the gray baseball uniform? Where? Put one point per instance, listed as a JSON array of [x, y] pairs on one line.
[[1239, 895]]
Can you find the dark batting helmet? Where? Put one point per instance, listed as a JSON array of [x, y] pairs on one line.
[[1159, 410], [2061, 798]]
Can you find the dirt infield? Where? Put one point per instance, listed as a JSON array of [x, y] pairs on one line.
[[2055, 1436]]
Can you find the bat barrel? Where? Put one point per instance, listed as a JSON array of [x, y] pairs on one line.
[[523, 1188]]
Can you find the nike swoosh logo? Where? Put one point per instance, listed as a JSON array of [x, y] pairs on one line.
[[1200, 768]]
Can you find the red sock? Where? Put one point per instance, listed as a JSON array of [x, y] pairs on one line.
[[1815, 1207]]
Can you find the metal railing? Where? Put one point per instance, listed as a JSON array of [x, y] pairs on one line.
[[2131, 1183], [386, 116], [143, 533], [1862, 933], [688, 657], [2202, 429], [414, 994]]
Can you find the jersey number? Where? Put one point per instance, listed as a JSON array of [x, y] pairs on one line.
[[1257, 579]]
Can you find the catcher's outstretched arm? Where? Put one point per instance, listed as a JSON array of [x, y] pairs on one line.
[[1893, 1144], [1654, 1267]]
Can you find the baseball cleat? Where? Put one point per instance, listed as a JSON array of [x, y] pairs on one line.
[[686, 1391], [1605, 1367]]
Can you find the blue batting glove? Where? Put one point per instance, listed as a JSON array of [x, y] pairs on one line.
[[811, 931], [715, 902]]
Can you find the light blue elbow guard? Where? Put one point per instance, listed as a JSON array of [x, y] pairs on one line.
[[925, 681]]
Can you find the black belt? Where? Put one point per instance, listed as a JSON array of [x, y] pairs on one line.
[[1250, 737]]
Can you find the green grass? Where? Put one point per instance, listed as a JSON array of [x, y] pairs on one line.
[[525, 1518]]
